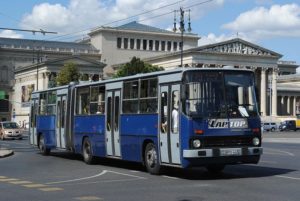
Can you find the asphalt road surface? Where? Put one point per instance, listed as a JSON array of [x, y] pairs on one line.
[[30, 176]]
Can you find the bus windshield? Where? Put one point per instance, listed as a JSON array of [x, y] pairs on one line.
[[219, 94]]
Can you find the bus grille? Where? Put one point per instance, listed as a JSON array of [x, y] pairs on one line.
[[232, 141]]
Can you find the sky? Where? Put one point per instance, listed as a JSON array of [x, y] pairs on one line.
[[272, 24]]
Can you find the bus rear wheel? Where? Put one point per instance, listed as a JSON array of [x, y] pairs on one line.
[[44, 150], [87, 151], [151, 159]]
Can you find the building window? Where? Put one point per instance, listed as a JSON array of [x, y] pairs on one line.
[[138, 44], [150, 44], [157, 45], [180, 45], [125, 43], [175, 46], [119, 42], [4, 104], [163, 45], [144, 44], [169, 45], [131, 43]]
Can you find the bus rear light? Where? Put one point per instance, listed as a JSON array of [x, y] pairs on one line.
[[255, 130], [199, 132]]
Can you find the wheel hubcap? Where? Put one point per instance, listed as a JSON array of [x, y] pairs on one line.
[[151, 157]]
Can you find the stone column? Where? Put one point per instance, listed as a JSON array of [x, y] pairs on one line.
[[263, 87], [288, 105], [274, 92], [294, 106], [122, 43]]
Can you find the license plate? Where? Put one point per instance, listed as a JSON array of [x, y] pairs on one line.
[[231, 152]]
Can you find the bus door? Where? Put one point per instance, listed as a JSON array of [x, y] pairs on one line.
[[169, 121], [113, 123], [61, 102], [33, 115]]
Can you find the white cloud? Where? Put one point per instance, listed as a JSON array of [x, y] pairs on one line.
[[260, 22], [212, 38], [77, 16], [10, 34]]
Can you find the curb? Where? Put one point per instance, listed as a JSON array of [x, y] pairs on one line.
[[5, 153]]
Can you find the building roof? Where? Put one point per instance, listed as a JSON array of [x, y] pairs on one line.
[[138, 27], [30, 44], [142, 27]]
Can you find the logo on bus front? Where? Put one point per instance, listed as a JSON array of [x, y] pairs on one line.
[[227, 123]]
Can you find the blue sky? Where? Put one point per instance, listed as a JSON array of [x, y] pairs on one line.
[[273, 24]]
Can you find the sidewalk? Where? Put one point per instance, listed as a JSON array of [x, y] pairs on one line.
[[5, 153]]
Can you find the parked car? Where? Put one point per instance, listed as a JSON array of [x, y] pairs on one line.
[[10, 130], [288, 125], [269, 126]]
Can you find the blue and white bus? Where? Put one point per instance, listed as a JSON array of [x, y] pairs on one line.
[[180, 118]]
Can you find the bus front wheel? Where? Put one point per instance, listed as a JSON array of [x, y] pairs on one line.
[[151, 159], [44, 150], [87, 151]]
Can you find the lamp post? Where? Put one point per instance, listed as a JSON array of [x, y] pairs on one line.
[[182, 29]]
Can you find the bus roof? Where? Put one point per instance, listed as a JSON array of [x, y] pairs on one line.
[[142, 75]]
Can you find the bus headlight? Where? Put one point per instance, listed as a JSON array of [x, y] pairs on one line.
[[255, 141], [196, 143]]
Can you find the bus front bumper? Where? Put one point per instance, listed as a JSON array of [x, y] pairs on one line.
[[222, 152]]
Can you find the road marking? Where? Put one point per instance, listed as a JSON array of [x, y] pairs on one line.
[[9, 179], [286, 177], [88, 198], [20, 182], [279, 151], [170, 177], [49, 189], [79, 179], [34, 185], [130, 175]]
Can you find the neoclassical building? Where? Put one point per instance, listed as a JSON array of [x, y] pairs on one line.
[[26, 65]]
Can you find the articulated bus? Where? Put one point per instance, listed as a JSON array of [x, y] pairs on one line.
[[181, 118]]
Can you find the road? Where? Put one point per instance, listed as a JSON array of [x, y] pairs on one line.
[[29, 176]]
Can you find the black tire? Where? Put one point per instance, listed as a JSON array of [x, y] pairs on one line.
[[151, 159], [45, 151], [87, 152], [215, 169]]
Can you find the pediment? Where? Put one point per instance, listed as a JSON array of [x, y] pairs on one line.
[[74, 59], [238, 46]]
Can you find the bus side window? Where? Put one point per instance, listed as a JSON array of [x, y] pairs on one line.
[[83, 100], [97, 104]]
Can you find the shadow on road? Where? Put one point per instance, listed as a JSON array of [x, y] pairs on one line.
[[230, 172]]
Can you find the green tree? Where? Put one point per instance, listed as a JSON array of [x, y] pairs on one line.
[[68, 73], [136, 66]]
